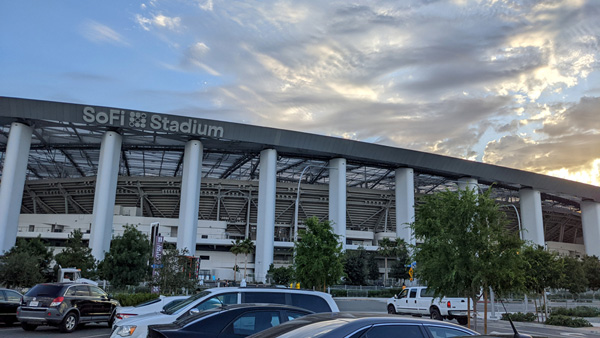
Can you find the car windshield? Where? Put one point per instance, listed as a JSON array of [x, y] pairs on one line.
[[177, 308], [44, 290]]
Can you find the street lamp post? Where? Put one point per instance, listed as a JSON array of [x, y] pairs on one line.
[[297, 204]]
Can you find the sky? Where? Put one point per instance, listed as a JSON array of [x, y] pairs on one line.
[[514, 83]]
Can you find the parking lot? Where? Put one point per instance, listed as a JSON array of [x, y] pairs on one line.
[[344, 304]]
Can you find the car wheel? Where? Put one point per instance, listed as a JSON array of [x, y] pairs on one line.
[[28, 327], [69, 323], [391, 309], [462, 320], [435, 314]]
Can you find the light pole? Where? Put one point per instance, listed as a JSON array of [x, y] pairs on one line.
[[298, 198], [297, 203]]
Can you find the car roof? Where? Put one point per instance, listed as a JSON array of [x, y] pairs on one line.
[[241, 307], [356, 319]]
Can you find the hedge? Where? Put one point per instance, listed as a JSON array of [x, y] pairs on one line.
[[519, 317], [579, 311], [561, 320], [132, 299]]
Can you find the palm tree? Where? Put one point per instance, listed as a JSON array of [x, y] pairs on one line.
[[387, 248], [247, 248], [236, 249]]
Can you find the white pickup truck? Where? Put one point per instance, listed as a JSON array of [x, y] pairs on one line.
[[419, 301]]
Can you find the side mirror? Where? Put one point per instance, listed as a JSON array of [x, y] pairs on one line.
[[395, 296], [194, 311]]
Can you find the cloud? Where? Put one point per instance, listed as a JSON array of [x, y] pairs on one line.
[[97, 32], [158, 21]]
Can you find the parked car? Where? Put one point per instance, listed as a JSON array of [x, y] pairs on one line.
[[152, 306], [311, 300], [239, 320], [9, 302], [65, 305], [420, 301], [367, 325]]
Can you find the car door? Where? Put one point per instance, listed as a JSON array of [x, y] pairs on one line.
[[8, 306], [102, 305], [401, 301], [78, 296], [411, 302]]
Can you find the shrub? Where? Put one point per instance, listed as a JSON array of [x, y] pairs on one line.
[[339, 293], [579, 311], [128, 299], [561, 320], [384, 293], [519, 317]]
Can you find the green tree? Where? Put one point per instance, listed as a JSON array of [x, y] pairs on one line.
[[542, 269], [281, 275], [574, 278], [20, 269], [591, 267], [387, 248], [373, 267], [127, 261], [77, 255], [36, 247], [247, 248], [176, 273], [318, 255], [236, 249], [355, 266], [465, 245], [399, 269]]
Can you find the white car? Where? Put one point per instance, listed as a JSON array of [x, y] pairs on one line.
[[311, 300], [152, 306]]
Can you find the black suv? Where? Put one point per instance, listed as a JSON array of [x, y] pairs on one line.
[[65, 305]]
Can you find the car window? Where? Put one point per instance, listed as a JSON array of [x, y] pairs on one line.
[[413, 293], [81, 291], [44, 290], [12, 296], [172, 303], [403, 294], [252, 322], [2, 295], [426, 293], [216, 301], [179, 307], [310, 302], [445, 332], [295, 314], [263, 297], [404, 331], [97, 292]]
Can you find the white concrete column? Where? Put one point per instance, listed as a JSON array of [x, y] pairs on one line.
[[13, 182], [468, 182], [590, 221], [265, 227], [187, 229], [405, 204], [531, 216], [104, 196], [337, 198]]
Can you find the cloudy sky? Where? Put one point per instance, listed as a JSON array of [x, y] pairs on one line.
[[509, 82]]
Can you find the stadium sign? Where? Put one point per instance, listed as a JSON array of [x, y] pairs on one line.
[[116, 117]]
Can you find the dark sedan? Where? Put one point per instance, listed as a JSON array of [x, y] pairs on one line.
[[364, 325], [238, 320], [9, 302]]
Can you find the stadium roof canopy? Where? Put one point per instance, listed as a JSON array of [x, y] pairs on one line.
[[67, 137]]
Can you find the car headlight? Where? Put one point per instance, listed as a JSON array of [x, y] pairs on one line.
[[125, 330]]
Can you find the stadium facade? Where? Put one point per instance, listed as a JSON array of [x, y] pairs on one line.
[[76, 166]]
